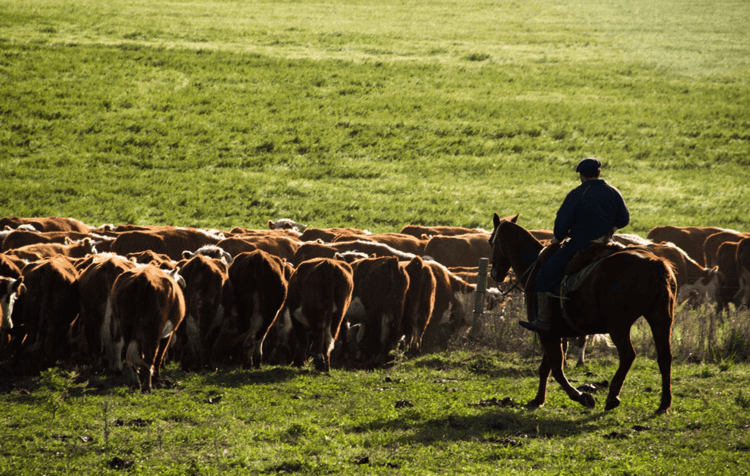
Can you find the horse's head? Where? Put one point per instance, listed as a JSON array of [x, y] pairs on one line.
[[500, 264]]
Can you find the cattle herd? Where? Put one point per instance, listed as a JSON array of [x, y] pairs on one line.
[[124, 298]]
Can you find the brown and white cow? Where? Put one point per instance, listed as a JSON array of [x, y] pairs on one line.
[[743, 268], [169, 241], [454, 307], [286, 224], [327, 235], [260, 288], [320, 291], [380, 287], [147, 306], [209, 299], [159, 260], [9, 289], [46, 224], [10, 266], [690, 239], [419, 231], [712, 243], [70, 249], [398, 241], [461, 250], [419, 303], [19, 238], [49, 307], [692, 278], [211, 251], [275, 244], [95, 286]]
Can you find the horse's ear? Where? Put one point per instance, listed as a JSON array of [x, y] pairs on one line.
[[495, 219], [515, 218]]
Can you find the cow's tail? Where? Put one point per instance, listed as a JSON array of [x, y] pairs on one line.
[[135, 351]]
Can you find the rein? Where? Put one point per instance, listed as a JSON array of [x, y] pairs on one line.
[[518, 280]]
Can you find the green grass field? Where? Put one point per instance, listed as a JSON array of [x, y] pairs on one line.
[[376, 114]]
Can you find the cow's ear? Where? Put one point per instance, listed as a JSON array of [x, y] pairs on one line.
[[187, 254], [68, 241], [270, 225]]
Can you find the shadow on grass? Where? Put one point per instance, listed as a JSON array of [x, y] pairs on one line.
[[237, 377], [510, 426]]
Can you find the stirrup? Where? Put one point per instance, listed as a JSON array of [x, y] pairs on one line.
[[535, 325]]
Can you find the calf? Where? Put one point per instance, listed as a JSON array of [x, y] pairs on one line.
[[260, 287], [147, 306], [320, 291]]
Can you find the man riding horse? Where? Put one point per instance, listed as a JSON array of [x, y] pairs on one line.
[[591, 212]]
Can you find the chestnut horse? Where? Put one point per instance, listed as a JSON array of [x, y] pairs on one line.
[[623, 287]]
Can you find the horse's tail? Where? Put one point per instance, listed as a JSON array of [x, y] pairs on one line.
[[667, 284]]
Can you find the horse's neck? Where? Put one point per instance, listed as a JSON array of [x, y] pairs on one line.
[[528, 251]]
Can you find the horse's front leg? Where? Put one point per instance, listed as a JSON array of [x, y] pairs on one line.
[[553, 350], [541, 393]]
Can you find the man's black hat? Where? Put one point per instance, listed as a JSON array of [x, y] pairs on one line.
[[589, 167]]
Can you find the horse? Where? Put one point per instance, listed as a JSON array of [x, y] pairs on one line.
[[620, 289]]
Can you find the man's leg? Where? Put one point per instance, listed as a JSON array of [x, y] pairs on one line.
[[547, 278]]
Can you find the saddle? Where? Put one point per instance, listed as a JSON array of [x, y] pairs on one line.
[[576, 271]]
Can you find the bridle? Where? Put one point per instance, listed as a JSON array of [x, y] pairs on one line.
[[493, 272]]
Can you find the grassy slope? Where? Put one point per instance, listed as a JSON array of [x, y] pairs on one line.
[[371, 114]]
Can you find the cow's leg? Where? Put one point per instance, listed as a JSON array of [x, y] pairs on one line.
[[581, 351], [159, 356], [553, 350]]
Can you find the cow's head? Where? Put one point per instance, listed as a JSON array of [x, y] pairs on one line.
[[10, 289], [286, 224]]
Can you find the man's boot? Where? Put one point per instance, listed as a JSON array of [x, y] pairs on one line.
[[543, 315]]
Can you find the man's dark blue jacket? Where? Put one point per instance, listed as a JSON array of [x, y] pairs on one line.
[[590, 211]]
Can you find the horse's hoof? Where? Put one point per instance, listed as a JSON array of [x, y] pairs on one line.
[[662, 410], [587, 400], [534, 404], [612, 403]]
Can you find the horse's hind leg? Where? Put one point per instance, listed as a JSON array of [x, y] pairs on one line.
[[626, 353], [661, 335]]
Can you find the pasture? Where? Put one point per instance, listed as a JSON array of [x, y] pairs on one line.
[[375, 114]]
